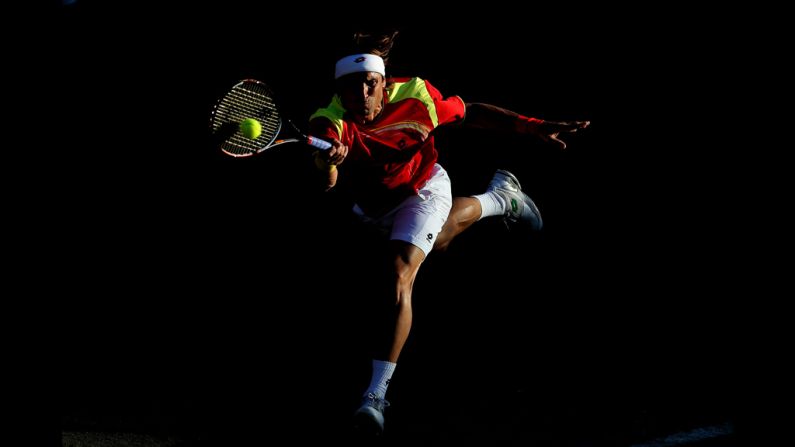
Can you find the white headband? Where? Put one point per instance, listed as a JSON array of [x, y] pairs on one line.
[[359, 63]]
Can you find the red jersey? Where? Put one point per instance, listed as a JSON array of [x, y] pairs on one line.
[[392, 157]]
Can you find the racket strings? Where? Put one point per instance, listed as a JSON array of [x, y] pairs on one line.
[[247, 100]]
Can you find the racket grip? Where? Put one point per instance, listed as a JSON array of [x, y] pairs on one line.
[[318, 143]]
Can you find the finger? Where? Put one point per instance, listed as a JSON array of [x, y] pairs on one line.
[[558, 142], [572, 126]]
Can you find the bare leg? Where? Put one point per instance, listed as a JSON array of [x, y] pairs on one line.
[[465, 212], [407, 261]]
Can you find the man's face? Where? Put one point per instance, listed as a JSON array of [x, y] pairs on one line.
[[362, 95]]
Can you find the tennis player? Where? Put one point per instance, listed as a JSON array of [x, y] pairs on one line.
[[383, 154]]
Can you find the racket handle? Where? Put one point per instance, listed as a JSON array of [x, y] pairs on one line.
[[318, 143]]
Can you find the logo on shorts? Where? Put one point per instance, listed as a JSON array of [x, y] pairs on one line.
[[429, 237], [359, 59]]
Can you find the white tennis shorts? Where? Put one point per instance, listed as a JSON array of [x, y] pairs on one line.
[[419, 218]]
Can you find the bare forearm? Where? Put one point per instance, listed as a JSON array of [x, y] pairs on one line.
[[487, 116], [327, 172]]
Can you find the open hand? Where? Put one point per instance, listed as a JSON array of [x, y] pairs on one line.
[[550, 131]]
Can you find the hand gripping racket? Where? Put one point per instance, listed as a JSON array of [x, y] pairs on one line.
[[250, 98]]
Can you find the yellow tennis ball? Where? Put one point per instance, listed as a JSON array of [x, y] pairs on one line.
[[250, 128]]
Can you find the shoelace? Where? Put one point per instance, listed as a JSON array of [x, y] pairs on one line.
[[375, 402]]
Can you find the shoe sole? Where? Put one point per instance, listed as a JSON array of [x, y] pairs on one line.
[[538, 216], [365, 425], [534, 207]]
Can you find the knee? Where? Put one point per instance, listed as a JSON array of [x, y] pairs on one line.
[[404, 274]]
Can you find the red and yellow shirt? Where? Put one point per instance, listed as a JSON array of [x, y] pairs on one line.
[[392, 157]]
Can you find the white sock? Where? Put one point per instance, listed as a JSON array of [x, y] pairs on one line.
[[492, 204], [382, 374]]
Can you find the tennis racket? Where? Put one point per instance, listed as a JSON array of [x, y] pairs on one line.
[[250, 98]]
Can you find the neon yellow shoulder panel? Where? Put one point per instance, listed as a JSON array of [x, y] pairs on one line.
[[333, 113], [415, 88]]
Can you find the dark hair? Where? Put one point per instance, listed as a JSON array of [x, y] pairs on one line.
[[378, 42]]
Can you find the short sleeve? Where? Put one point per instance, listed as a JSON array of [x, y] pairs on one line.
[[448, 110]]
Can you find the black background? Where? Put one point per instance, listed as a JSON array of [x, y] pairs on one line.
[[205, 291]]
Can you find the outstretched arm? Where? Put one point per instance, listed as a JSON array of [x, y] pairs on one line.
[[487, 116]]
